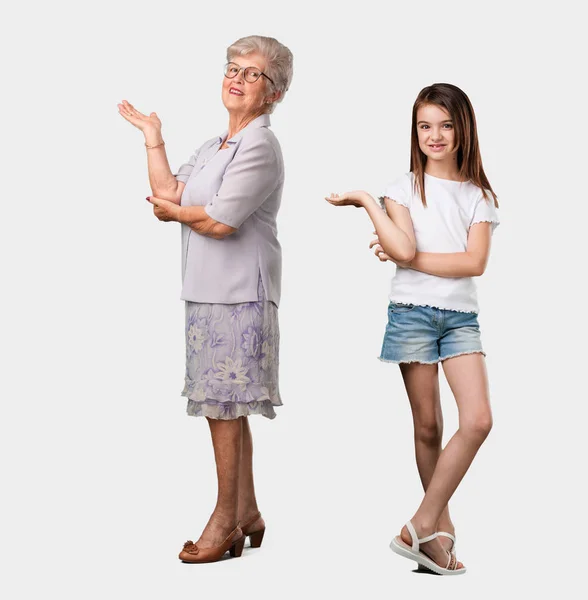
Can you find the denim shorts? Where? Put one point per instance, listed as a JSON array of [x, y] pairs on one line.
[[428, 335]]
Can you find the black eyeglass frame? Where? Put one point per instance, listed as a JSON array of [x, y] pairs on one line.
[[244, 75]]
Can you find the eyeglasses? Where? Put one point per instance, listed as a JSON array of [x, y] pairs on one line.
[[251, 74]]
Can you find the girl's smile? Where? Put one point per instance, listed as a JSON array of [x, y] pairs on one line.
[[435, 132]]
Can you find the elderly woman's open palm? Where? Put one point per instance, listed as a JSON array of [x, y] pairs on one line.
[[138, 119]]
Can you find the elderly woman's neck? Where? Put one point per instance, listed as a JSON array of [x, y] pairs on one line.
[[238, 122]]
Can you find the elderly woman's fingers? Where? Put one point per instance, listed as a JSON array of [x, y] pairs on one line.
[[137, 113], [137, 118], [126, 115], [164, 210], [129, 106], [157, 202], [130, 117]]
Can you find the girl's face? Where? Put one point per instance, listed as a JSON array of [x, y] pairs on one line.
[[435, 132], [241, 96]]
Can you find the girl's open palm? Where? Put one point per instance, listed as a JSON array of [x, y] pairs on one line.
[[138, 119], [347, 199]]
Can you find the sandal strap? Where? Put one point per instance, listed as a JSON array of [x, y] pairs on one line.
[[415, 539], [447, 535], [451, 537]]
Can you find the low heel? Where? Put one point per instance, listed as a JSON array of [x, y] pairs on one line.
[[237, 548], [423, 569], [256, 538]]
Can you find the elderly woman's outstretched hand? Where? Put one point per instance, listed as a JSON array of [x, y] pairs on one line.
[[357, 199], [138, 119]]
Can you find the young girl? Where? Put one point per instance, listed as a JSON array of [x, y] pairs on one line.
[[437, 226]]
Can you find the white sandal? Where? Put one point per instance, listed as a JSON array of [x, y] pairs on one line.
[[413, 553], [442, 534]]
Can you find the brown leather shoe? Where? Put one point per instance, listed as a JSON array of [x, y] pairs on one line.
[[234, 544], [255, 537]]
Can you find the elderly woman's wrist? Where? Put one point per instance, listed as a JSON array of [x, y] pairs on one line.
[[153, 137]]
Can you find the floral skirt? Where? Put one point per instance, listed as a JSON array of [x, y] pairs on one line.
[[232, 358]]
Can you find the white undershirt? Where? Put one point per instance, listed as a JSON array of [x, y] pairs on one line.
[[442, 226]]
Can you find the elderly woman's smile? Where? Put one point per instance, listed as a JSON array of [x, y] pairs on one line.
[[245, 86]]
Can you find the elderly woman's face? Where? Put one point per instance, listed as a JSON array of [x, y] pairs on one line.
[[243, 96]]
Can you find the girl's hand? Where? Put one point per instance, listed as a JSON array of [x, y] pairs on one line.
[[356, 199], [138, 119], [165, 210], [378, 250]]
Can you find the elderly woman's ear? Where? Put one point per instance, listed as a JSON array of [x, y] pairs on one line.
[[273, 98]]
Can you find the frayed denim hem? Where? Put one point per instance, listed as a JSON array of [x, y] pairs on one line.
[[430, 362]]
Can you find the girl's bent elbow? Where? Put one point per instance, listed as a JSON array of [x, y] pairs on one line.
[[479, 270], [409, 256]]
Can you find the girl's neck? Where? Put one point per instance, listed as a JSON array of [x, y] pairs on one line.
[[443, 169], [237, 122]]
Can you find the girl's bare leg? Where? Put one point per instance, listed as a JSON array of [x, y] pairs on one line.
[[468, 380], [422, 386]]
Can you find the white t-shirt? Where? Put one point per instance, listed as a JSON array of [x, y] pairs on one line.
[[442, 226]]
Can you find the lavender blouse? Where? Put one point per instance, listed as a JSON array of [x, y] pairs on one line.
[[240, 186]]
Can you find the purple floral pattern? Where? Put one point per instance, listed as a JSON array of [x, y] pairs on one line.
[[232, 359]]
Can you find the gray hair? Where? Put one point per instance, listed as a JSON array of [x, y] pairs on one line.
[[279, 62]]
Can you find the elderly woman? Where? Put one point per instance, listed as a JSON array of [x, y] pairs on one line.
[[227, 198]]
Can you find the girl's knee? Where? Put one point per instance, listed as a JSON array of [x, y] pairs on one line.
[[428, 431], [478, 426]]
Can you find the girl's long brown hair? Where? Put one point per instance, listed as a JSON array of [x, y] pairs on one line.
[[461, 112]]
